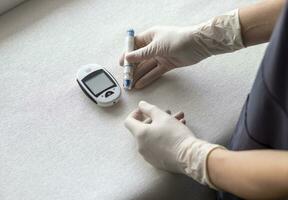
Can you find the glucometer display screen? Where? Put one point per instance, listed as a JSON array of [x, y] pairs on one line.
[[99, 83]]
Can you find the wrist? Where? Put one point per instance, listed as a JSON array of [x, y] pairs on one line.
[[221, 34], [192, 159], [216, 165]]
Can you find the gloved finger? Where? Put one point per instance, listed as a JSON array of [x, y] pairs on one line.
[[144, 67], [151, 76], [150, 110], [179, 115], [140, 41], [138, 115], [149, 120], [133, 124], [144, 38], [143, 53], [183, 121], [121, 59]]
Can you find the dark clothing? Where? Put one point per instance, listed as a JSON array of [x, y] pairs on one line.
[[263, 123]]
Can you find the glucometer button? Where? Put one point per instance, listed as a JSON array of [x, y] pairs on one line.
[[107, 94]]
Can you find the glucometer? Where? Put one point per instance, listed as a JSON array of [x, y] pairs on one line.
[[99, 85]]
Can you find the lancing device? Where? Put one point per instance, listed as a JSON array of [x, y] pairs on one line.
[[128, 67]]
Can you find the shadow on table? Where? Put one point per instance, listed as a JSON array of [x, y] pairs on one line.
[[26, 14], [175, 187]]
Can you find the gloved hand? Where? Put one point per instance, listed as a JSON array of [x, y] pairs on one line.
[[168, 144], [161, 49]]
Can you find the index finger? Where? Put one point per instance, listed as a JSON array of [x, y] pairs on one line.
[[150, 110], [140, 41]]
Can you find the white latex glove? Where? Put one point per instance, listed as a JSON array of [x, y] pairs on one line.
[[161, 49], [168, 144]]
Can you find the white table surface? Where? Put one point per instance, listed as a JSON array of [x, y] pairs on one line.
[[57, 144]]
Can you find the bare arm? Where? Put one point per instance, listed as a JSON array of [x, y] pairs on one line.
[[257, 174], [258, 20]]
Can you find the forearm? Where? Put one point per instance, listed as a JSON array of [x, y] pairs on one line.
[[258, 20], [257, 174]]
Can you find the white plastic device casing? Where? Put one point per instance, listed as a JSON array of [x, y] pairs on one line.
[[128, 67], [102, 99]]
